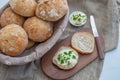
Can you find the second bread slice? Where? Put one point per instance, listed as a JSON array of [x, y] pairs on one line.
[[83, 42]]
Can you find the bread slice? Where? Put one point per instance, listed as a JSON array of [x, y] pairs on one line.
[[64, 60], [83, 42]]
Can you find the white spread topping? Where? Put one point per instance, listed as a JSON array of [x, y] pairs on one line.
[[71, 59]]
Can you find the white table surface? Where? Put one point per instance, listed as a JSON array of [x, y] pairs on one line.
[[111, 67]]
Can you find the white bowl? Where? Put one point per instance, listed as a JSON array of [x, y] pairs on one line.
[[78, 18]]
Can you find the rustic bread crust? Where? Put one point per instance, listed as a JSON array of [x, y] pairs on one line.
[[24, 8], [37, 29], [51, 10], [13, 40], [9, 17]]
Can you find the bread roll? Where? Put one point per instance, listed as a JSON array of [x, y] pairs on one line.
[[51, 10], [23, 7], [37, 29], [13, 40], [83, 42], [9, 17], [65, 58], [30, 44]]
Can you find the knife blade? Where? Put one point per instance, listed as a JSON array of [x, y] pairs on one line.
[[97, 40]]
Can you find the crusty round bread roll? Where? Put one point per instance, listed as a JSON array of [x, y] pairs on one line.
[[83, 42], [23, 7], [13, 40], [9, 17], [65, 58], [30, 44], [51, 10], [37, 29]]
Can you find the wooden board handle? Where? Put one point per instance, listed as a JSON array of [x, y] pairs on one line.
[[99, 48]]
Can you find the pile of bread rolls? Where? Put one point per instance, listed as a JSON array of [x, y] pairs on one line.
[[26, 22]]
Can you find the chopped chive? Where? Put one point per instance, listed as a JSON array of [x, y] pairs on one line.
[[65, 57], [58, 58], [68, 58], [70, 52], [79, 19], [74, 18], [65, 53], [62, 61], [74, 57]]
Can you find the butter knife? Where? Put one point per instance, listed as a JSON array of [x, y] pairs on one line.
[[97, 40]]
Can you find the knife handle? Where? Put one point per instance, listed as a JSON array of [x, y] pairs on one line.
[[99, 48]]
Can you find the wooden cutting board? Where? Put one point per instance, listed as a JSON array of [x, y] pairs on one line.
[[54, 72]]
